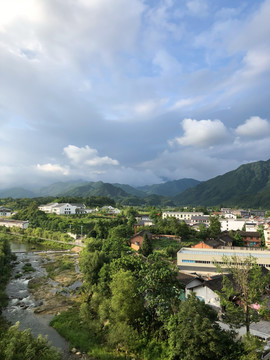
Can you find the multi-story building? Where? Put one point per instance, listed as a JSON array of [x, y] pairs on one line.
[[180, 215], [232, 224], [204, 260], [63, 208]]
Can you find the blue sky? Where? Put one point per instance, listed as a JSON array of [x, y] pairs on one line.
[[132, 91]]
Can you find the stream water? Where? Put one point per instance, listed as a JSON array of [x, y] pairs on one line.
[[21, 303]]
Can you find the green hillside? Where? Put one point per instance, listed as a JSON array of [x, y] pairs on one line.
[[169, 188], [17, 193], [97, 189], [130, 190], [247, 186], [58, 188]]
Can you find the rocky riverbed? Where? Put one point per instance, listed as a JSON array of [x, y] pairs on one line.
[[44, 284]]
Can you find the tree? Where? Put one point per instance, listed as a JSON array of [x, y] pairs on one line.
[[242, 289], [20, 345], [160, 289], [238, 239], [146, 248], [215, 226], [194, 334], [126, 302]]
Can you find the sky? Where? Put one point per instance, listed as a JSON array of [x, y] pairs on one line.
[[135, 92]]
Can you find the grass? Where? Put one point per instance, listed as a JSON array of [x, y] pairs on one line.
[[36, 283], [63, 263], [70, 326], [27, 267]]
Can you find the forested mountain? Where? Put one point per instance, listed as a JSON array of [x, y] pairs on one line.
[[58, 188], [97, 189], [247, 186], [169, 188], [17, 193], [116, 191], [130, 190]]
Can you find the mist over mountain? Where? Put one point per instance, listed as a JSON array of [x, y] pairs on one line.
[[247, 186], [169, 188]]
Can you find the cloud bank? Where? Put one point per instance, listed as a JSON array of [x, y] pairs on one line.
[[134, 92]]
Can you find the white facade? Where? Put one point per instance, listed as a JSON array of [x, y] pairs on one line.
[[5, 212], [47, 208], [63, 208], [17, 223], [229, 216], [232, 224], [204, 260], [181, 215], [206, 294]]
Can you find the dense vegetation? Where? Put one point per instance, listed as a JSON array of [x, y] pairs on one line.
[[131, 305], [247, 186], [5, 268]]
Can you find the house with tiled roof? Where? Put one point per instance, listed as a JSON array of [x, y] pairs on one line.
[[137, 239]]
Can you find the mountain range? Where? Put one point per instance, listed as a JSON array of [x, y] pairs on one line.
[[247, 186]]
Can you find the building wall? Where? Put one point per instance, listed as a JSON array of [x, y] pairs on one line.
[[181, 215], [12, 223], [203, 260], [232, 224], [136, 242], [267, 236], [206, 294]]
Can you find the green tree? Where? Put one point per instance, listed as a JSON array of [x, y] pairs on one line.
[[215, 226], [146, 248], [238, 239], [160, 289], [126, 302], [20, 345], [246, 283], [194, 334]]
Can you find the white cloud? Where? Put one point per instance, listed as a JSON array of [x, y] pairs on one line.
[[198, 7], [53, 168], [87, 156], [202, 133], [254, 127], [182, 103]]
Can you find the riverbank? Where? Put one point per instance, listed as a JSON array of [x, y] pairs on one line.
[[42, 285]]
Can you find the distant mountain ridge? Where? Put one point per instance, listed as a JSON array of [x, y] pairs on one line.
[[116, 191], [247, 186], [169, 188]]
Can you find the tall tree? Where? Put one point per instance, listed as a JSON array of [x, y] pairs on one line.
[[194, 334], [243, 290], [215, 226], [146, 248]]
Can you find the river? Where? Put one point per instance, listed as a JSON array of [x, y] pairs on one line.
[[21, 302]]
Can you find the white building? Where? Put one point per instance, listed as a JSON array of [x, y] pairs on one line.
[[204, 260], [232, 224], [11, 223], [180, 215], [5, 211], [63, 208]]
